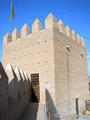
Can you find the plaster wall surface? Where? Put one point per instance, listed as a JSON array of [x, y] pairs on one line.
[[34, 54], [71, 75]]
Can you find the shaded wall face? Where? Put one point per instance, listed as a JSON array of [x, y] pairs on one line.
[[18, 94], [51, 112], [34, 54], [71, 75], [19, 98], [3, 94]]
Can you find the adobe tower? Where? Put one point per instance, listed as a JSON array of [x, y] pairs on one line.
[[57, 57]]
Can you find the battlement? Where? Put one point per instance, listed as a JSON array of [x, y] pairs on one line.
[[7, 38], [50, 23], [61, 27], [15, 34], [37, 26], [25, 31], [17, 91], [14, 73]]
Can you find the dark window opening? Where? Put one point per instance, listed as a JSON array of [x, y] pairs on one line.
[[68, 49], [35, 96], [77, 108]]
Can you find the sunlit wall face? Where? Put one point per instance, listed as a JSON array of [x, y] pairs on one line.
[[88, 60]]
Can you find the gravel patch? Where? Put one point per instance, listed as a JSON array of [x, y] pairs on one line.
[[84, 118]]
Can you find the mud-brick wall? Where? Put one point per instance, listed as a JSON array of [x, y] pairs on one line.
[[3, 94]]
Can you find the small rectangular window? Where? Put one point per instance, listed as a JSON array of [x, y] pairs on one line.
[[77, 108]]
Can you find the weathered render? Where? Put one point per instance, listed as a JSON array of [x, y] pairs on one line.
[[58, 55]]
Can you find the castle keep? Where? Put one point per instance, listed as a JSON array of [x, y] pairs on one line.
[[55, 59]]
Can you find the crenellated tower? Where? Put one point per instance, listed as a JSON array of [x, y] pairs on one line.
[[57, 55]]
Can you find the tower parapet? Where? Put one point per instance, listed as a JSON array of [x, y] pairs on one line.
[[7, 38], [68, 31], [25, 31], [61, 27], [73, 35], [78, 39], [51, 22], [15, 35], [36, 26], [83, 42]]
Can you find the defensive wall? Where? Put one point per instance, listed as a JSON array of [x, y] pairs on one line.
[[14, 92]]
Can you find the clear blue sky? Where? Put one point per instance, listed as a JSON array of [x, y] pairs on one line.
[[75, 13]]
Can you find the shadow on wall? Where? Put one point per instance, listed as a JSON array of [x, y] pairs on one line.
[[52, 113], [18, 92], [31, 112], [14, 92], [18, 96], [3, 94]]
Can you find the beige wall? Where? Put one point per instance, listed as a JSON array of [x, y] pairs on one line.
[[34, 54], [71, 75]]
